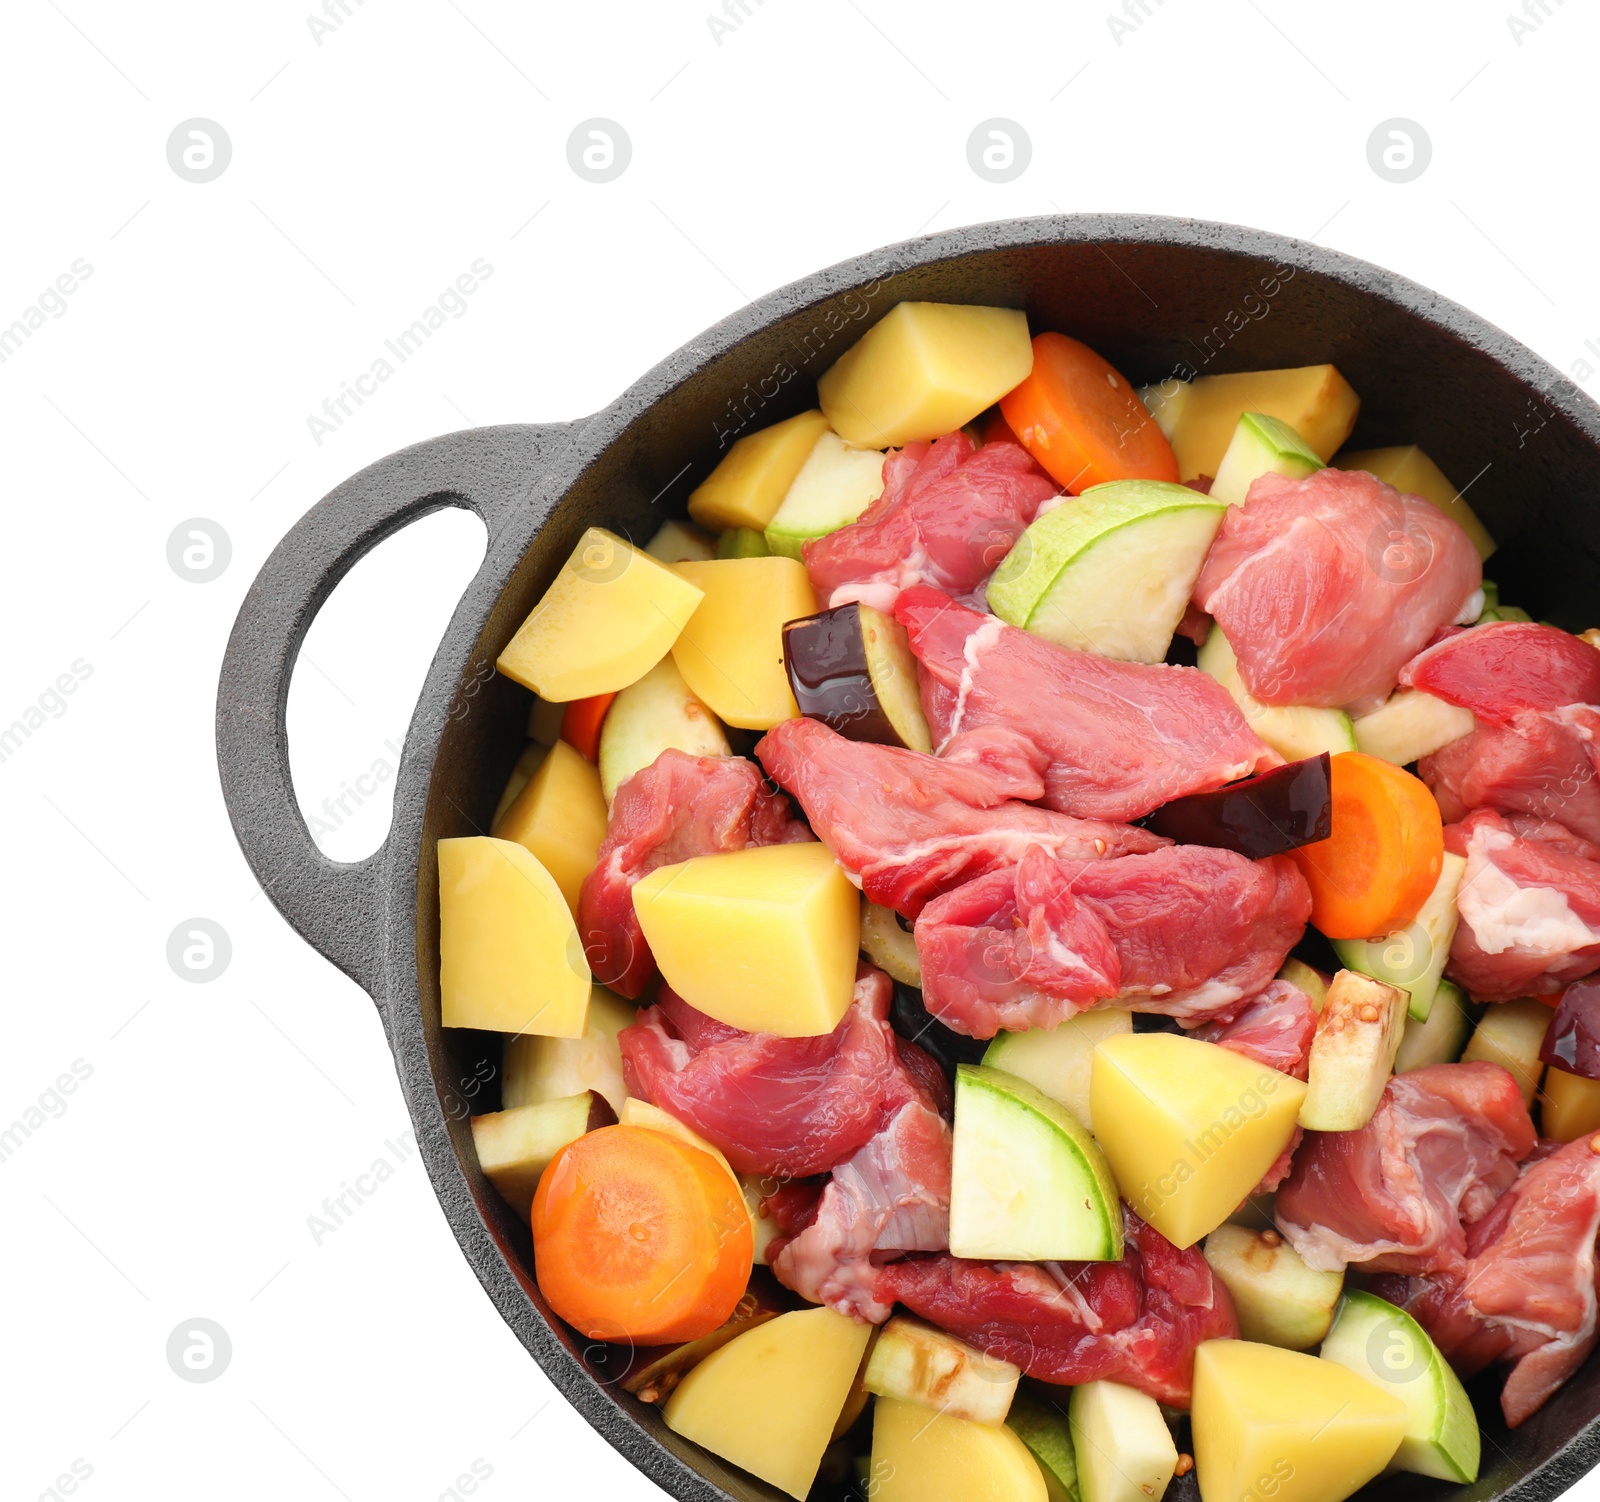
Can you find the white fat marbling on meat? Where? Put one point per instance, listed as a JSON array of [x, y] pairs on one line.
[[1472, 609], [976, 645], [1502, 915]]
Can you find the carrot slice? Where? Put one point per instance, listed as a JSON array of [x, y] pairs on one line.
[[638, 1236], [580, 724], [1382, 861], [1078, 416]]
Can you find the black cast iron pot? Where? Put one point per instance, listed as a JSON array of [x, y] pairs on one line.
[[1156, 296]]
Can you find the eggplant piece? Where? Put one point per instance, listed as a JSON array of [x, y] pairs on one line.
[[1260, 816], [852, 668], [916, 1024], [1572, 1041], [889, 945]]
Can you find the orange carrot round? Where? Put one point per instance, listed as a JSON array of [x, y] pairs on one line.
[[640, 1237], [581, 722], [1382, 861], [1078, 416]]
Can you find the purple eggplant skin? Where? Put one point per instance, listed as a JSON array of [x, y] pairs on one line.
[[1572, 1041], [1265, 815], [826, 661]]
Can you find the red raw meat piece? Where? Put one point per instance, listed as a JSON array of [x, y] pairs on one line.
[[677, 807], [891, 1196], [1136, 1321], [948, 514], [1497, 669], [1526, 1294], [907, 826], [1541, 763], [1529, 909], [1327, 586], [1443, 1144], [1187, 931], [1274, 1028], [1116, 739], [784, 1106]]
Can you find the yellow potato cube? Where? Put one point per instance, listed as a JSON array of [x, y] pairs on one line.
[[1315, 400], [731, 651], [1510, 1034], [1410, 470], [1188, 1128], [923, 370], [1280, 1424], [510, 960], [767, 1400], [611, 615], [922, 1455], [1569, 1105], [762, 939], [560, 817], [748, 486]]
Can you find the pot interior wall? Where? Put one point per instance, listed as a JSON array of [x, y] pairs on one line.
[[1153, 309]]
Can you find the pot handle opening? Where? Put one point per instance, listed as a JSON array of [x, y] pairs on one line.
[[336, 906]]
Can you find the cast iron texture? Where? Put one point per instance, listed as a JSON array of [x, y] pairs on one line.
[[1154, 295]]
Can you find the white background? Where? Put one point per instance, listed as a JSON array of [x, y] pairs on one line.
[[369, 169]]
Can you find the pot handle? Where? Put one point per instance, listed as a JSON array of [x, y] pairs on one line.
[[336, 905]]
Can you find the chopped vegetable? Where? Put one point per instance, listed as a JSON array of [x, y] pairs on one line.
[[889, 946], [1269, 1422], [1441, 1037], [1059, 1060], [1189, 1128], [653, 1373], [768, 1399], [1511, 1034], [1280, 1301], [1391, 1350], [679, 542], [763, 939], [914, 1361], [521, 775], [1312, 981], [515, 1146], [560, 818], [1082, 421], [1027, 1181], [923, 370], [1201, 417], [1294, 731], [1264, 815], [1045, 1430], [835, 485], [1382, 862], [851, 668], [611, 615], [731, 650], [1413, 957], [742, 542], [1260, 445], [509, 956], [1569, 1105], [539, 1069], [1409, 725], [637, 1236], [1352, 1052], [1111, 573], [1122, 1445], [658, 711], [582, 723], [922, 1455], [749, 484]]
